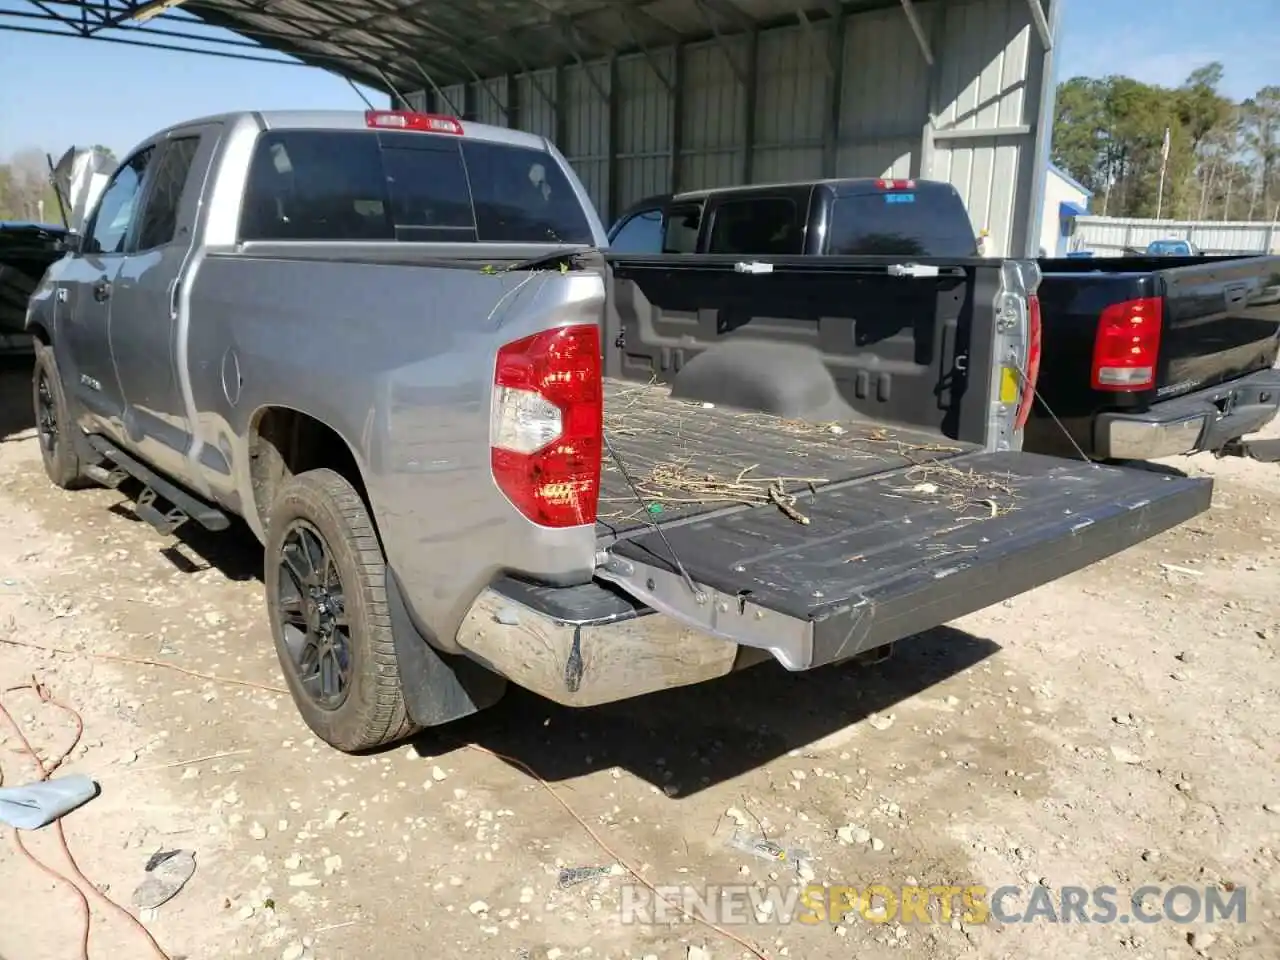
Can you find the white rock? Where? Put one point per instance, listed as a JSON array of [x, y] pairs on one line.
[[877, 844], [293, 951], [1201, 942], [332, 865], [697, 953], [859, 834], [258, 831], [1125, 756], [737, 816], [246, 911], [304, 880], [1271, 807], [437, 774], [881, 721], [478, 907]]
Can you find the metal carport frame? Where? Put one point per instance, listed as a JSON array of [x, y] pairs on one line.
[[645, 96]]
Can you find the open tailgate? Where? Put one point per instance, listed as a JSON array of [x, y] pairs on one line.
[[883, 559]]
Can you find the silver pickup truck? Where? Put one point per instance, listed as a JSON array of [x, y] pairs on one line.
[[478, 448]]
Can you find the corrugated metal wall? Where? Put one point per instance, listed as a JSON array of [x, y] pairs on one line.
[[1109, 236], [851, 96]]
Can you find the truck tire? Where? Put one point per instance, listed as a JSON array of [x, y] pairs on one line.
[[53, 422], [326, 577]]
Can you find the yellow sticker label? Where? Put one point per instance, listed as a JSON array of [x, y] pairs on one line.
[[1008, 385]]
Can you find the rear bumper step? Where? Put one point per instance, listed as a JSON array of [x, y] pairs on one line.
[[898, 555], [1206, 420]]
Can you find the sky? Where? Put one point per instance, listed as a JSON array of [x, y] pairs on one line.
[[80, 91]]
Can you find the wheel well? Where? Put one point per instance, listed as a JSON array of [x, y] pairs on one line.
[[284, 443], [39, 333]]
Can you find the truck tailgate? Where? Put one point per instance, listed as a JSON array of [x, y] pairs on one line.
[[1221, 321], [884, 558]]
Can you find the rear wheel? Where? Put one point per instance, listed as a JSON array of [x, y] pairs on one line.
[[54, 425], [327, 597]]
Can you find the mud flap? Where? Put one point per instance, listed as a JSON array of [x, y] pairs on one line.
[[438, 688], [881, 560]]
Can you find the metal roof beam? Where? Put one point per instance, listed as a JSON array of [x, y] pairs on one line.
[[634, 13], [49, 13], [917, 28], [1041, 23], [734, 14], [815, 42], [648, 57], [736, 68]]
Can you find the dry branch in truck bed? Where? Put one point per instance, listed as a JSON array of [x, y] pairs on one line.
[[686, 459]]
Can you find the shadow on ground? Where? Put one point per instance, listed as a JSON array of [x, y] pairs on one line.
[[688, 739], [17, 413], [682, 740]]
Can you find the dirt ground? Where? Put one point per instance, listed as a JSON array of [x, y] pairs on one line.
[[1116, 728]]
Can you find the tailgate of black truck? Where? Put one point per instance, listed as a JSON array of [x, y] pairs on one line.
[[886, 557]]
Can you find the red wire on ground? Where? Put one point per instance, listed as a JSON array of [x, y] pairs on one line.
[[46, 771]]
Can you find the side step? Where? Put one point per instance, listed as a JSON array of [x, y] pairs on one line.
[[157, 492]]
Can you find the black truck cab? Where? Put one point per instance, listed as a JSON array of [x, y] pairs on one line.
[[848, 217]]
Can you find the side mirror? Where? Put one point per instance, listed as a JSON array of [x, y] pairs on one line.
[[72, 243]]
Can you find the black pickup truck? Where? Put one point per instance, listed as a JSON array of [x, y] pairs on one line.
[[26, 251], [1143, 357]]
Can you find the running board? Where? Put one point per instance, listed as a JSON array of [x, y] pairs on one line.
[[162, 504]]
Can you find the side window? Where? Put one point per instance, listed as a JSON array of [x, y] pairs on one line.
[[522, 196], [160, 216], [641, 234], [118, 206], [316, 185], [427, 184], [681, 232], [757, 226]]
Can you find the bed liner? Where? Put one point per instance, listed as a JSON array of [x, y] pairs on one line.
[[666, 444]]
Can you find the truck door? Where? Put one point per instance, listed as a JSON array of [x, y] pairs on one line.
[[146, 304], [89, 285]]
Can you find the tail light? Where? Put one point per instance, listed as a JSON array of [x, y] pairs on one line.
[[547, 425], [1032, 372], [407, 120], [896, 184], [1127, 345]]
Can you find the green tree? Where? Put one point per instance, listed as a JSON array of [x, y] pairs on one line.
[[1109, 133]]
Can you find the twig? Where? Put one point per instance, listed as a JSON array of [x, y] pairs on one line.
[[335, 926], [143, 662], [609, 851], [784, 503], [193, 760]]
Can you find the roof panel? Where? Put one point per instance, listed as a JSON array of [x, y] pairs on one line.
[[382, 42]]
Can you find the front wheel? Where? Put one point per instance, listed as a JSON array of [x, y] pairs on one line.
[[327, 598], [53, 421]]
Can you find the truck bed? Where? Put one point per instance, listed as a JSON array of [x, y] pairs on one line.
[[690, 459]]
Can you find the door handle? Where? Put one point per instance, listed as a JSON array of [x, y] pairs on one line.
[[1235, 294], [102, 291]]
